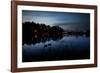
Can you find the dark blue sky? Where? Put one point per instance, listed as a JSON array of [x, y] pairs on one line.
[[66, 20]]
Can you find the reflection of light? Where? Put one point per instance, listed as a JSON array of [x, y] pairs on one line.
[[35, 36], [35, 30]]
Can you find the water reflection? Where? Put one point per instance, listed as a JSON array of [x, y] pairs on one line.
[[39, 39], [50, 48]]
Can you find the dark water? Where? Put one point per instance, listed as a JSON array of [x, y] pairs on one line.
[[65, 48]]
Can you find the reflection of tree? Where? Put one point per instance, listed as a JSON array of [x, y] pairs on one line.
[[35, 32], [78, 33]]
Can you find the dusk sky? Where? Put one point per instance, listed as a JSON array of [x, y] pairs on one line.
[[66, 20]]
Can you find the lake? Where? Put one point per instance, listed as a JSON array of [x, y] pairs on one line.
[[57, 48]]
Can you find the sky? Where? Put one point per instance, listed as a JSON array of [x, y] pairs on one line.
[[66, 20]]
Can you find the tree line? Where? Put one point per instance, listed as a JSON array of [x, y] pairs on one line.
[[34, 31]]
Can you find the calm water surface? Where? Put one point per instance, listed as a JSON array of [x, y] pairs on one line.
[[65, 48]]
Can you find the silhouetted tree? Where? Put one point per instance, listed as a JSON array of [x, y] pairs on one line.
[[32, 32]]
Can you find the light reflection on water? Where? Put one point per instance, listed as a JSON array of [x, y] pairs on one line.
[[66, 48]]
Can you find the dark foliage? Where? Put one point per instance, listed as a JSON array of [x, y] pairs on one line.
[[33, 32]]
